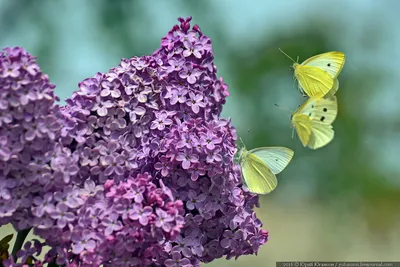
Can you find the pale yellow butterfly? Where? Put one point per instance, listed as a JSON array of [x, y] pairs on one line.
[[313, 121], [260, 165], [316, 76]]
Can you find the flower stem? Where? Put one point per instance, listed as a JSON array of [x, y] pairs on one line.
[[19, 241], [52, 264]]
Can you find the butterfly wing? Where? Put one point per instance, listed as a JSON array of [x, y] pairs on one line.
[[323, 109], [322, 134], [276, 158], [331, 62], [313, 81], [302, 124], [257, 175], [334, 89]]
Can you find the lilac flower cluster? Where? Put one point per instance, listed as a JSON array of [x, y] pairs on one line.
[[137, 169], [31, 163], [126, 225]]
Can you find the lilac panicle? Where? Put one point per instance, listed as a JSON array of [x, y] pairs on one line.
[[137, 168], [29, 128]]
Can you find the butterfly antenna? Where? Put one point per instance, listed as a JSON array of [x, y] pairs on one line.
[[287, 55], [241, 141], [297, 59], [293, 133], [284, 108]]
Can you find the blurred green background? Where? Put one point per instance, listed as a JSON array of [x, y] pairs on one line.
[[338, 203]]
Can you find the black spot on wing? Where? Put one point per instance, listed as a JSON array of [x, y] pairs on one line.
[[322, 118], [329, 64], [325, 109]]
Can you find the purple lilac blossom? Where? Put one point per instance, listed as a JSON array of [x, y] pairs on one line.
[[137, 168], [32, 165]]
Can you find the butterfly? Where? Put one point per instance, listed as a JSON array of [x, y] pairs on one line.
[[318, 74], [260, 165], [313, 121]]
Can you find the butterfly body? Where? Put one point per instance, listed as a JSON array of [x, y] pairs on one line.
[[313, 121], [260, 165]]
